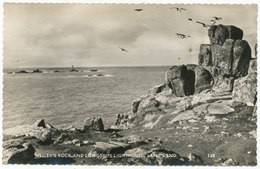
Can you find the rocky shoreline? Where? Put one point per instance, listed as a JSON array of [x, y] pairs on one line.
[[203, 114]]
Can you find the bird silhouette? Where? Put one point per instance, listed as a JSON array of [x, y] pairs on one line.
[[138, 10], [178, 9], [212, 22], [203, 24], [180, 35], [189, 19], [123, 50], [217, 18]]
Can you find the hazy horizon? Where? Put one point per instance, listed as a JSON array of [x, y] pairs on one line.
[[89, 35]]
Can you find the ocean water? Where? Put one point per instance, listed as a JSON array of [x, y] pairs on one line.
[[67, 98]]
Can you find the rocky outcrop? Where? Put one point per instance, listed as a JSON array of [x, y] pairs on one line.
[[93, 123], [18, 153], [200, 89], [245, 88], [223, 83], [226, 58], [188, 79], [232, 58], [241, 58], [177, 78], [219, 33]]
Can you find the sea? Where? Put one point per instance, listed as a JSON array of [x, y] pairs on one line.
[[65, 98]]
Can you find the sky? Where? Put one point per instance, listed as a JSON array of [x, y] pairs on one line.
[[61, 35]]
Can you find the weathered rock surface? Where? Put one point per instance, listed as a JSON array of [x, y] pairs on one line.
[[223, 83], [157, 89], [21, 154], [93, 123], [111, 147], [188, 79], [222, 56], [205, 55], [166, 108], [203, 78], [219, 33], [227, 54], [219, 108], [241, 58], [245, 89], [154, 156], [178, 78], [18, 150]]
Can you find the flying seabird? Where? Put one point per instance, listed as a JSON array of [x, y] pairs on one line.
[[212, 22], [178, 9], [180, 35], [123, 50], [138, 10], [217, 18], [203, 24]]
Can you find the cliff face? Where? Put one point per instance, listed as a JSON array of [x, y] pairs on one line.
[[197, 91]]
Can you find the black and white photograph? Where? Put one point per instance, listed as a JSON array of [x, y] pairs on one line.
[[129, 84]]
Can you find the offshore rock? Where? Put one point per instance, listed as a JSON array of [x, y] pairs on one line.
[[219, 33], [93, 123]]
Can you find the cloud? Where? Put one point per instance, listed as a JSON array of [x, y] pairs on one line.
[[88, 35]]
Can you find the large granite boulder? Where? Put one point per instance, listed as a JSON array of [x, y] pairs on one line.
[[18, 150], [241, 58], [245, 88], [222, 56], [187, 80], [219, 33], [177, 79], [93, 123], [231, 58], [203, 78]]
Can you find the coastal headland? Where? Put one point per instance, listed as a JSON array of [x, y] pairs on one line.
[[202, 114]]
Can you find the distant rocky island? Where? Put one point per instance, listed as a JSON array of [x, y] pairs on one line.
[[56, 71], [202, 114]]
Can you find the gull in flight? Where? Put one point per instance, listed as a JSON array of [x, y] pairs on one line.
[[178, 9], [123, 50], [138, 10], [182, 35]]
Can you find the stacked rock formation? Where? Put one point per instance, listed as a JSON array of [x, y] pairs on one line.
[[223, 65], [222, 61]]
